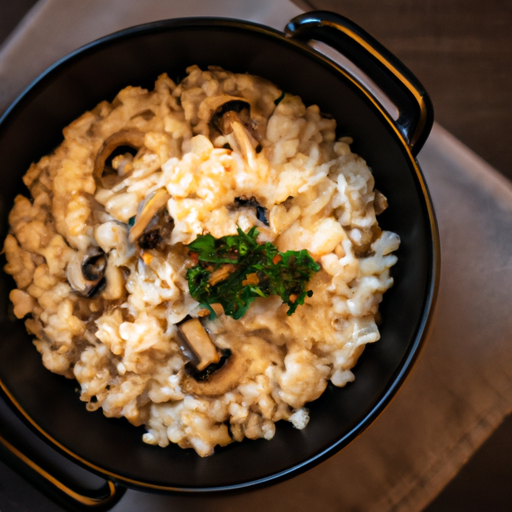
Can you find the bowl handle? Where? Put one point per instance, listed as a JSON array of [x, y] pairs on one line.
[[72, 499], [416, 113]]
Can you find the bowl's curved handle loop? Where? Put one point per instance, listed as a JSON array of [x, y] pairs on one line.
[[77, 500], [416, 113]]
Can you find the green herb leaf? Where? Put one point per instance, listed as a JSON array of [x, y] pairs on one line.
[[234, 270]]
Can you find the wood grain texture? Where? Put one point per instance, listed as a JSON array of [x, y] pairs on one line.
[[461, 51]]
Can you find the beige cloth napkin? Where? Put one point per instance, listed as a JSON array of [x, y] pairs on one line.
[[461, 386]]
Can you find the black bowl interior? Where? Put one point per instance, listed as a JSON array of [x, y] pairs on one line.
[[136, 57]]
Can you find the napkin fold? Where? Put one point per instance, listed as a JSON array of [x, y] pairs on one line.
[[461, 386]]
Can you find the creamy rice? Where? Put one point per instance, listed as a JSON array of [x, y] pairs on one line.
[[105, 301]]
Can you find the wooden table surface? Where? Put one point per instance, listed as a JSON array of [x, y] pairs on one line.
[[461, 51]]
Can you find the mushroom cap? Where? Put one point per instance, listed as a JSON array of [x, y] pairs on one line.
[[222, 380], [196, 337], [148, 209], [85, 271], [129, 137]]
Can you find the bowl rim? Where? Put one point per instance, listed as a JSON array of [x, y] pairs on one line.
[[424, 323]]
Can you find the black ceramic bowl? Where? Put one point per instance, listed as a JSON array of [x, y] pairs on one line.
[[32, 127]]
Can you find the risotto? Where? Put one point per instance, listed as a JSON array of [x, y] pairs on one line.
[[203, 258]]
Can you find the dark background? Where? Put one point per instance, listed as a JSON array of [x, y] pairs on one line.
[[461, 50]]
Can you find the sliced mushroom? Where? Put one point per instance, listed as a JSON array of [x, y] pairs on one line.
[[246, 144], [198, 340], [115, 282], [130, 137], [151, 239], [222, 380], [224, 122], [234, 110], [223, 111], [261, 212], [216, 106], [147, 211], [86, 271], [157, 233]]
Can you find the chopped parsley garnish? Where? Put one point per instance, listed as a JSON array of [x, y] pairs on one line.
[[236, 269]]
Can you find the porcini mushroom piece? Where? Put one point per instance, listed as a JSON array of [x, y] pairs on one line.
[[220, 381], [222, 111], [130, 137], [212, 104], [86, 271], [246, 143], [261, 211], [115, 282], [199, 341], [148, 210]]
